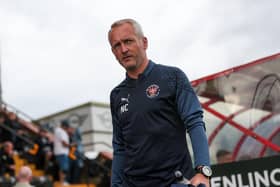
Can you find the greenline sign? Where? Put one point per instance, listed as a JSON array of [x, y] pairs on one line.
[[250, 173]]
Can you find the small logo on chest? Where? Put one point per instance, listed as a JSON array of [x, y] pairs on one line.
[[152, 91], [124, 106]]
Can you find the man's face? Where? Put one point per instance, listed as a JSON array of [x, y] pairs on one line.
[[9, 149], [128, 48]]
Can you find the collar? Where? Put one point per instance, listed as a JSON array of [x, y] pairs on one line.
[[148, 69], [145, 73], [133, 82]]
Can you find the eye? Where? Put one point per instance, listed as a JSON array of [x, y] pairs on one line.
[[128, 41], [116, 46]]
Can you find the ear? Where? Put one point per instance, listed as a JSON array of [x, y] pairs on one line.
[[145, 42]]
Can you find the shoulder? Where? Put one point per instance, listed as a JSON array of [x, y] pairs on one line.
[[58, 130], [169, 72], [168, 69]]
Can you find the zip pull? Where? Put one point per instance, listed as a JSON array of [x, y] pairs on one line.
[[180, 178]]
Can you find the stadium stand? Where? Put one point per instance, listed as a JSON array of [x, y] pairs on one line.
[[25, 135]]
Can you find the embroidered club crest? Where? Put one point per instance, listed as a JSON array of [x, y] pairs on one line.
[[152, 91]]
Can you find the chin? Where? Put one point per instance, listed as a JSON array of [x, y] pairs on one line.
[[129, 65]]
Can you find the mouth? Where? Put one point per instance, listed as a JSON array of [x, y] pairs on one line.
[[126, 58]]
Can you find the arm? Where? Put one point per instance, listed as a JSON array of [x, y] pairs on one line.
[[118, 155], [201, 153], [200, 146], [62, 136], [191, 113], [117, 166], [11, 163], [65, 144], [64, 140]]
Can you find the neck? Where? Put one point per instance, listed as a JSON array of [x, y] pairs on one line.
[[137, 71]]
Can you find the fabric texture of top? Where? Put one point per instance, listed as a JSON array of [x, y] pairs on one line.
[[151, 116]]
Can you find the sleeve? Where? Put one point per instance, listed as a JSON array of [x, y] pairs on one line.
[[191, 113], [57, 134], [118, 149], [64, 137]]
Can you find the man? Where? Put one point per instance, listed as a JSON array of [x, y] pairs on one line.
[[61, 150], [75, 155], [151, 110], [7, 162], [44, 149], [24, 177]]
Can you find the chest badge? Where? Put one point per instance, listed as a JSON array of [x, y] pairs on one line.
[[152, 91], [124, 104]]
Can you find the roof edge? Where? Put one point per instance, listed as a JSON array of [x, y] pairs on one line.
[[235, 69], [87, 104]]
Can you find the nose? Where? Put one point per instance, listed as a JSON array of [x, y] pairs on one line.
[[124, 48]]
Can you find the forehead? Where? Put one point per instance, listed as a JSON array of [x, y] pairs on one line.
[[121, 32], [9, 146]]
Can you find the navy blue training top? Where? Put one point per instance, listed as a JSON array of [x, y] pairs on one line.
[[151, 115]]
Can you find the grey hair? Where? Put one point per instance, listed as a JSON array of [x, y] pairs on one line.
[[136, 26], [24, 173]]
